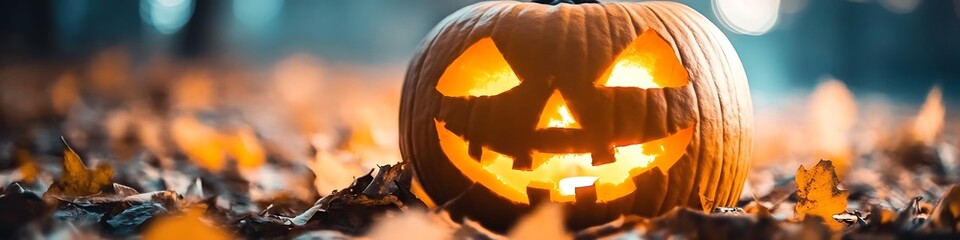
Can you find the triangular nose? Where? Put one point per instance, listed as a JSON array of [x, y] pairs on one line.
[[556, 114]]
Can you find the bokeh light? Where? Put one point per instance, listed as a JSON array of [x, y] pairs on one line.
[[256, 13], [900, 6], [166, 16], [751, 17], [793, 6], [956, 7]]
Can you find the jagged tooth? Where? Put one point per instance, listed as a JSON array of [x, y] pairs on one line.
[[603, 156], [475, 150], [586, 194], [523, 162], [538, 193]]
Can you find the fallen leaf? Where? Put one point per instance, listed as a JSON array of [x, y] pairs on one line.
[[818, 195], [914, 216], [728, 211], [123, 190], [758, 209], [545, 222], [410, 225], [77, 180], [928, 125], [947, 212], [189, 225], [689, 223], [879, 219], [850, 218], [18, 207], [194, 191], [126, 223], [833, 114], [28, 167]]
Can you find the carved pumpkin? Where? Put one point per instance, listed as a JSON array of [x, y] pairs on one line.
[[606, 108]]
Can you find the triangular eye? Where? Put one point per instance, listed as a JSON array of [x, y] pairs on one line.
[[479, 71], [648, 62]]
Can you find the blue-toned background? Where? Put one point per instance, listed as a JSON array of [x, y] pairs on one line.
[[897, 48]]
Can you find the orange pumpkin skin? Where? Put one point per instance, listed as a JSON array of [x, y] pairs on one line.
[[569, 48]]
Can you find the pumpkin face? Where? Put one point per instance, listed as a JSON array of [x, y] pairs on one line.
[[609, 109]]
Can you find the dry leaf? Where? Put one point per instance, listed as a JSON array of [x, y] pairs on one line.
[[186, 226], [818, 194], [28, 167], [545, 222], [947, 213], [929, 123], [77, 180], [833, 114], [410, 225]]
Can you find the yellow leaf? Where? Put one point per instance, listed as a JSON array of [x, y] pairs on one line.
[[189, 225], [28, 167], [77, 180], [818, 194]]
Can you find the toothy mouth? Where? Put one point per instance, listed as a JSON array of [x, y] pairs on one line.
[[563, 173]]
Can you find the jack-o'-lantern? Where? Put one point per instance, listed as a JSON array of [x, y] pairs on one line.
[[606, 108]]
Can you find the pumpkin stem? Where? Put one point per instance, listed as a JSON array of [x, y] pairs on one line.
[[555, 2]]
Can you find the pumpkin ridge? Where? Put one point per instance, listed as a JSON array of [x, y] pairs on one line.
[[638, 29], [713, 191], [406, 100], [561, 48], [556, 2], [450, 28], [678, 196], [743, 167], [717, 166], [725, 171]]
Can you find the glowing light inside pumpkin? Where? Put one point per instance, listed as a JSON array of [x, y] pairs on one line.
[[556, 114], [568, 186], [648, 62], [631, 73], [495, 170], [479, 71]]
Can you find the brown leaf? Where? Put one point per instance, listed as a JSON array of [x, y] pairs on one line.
[[411, 225], [77, 180], [818, 194], [545, 222], [757, 208], [947, 213], [928, 125]]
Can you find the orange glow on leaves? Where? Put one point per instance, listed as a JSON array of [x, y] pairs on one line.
[[929, 122], [833, 112], [189, 225], [28, 167], [211, 147], [77, 180], [818, 195]]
